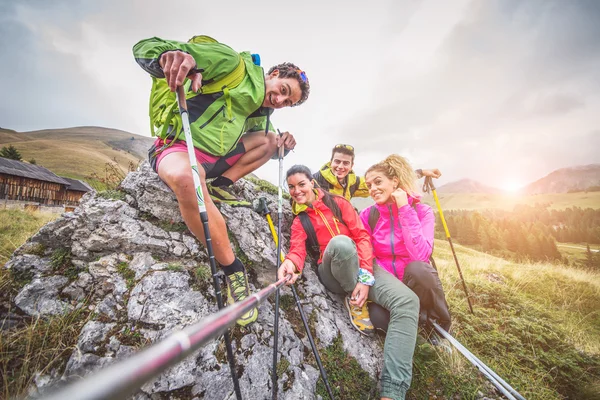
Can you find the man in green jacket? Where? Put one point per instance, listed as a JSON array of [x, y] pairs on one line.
[[230, 100], [337, 176]]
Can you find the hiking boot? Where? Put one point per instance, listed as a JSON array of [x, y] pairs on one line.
[[359, 316], [225, 195], [237, 290]]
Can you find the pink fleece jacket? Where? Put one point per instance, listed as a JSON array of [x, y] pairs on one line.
[[401, 235]]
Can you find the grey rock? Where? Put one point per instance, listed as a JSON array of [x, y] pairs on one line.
[[29, 263], [77, 290], [40, 297], [151, 194], [141, 263], [92, 335], [119, 248], [165, 298]]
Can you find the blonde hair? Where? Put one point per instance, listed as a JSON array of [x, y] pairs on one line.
[[395, 166]]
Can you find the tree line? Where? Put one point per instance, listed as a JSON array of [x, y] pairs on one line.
[[526, 233]]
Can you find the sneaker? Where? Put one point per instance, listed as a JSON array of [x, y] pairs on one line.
[[226, 196], [359, 316], [237, 290]]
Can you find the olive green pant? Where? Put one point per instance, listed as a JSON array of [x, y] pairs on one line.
[[338, 272]]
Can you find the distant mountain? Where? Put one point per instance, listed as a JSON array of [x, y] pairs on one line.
[[566, 179], [80, 151], [467, 186]]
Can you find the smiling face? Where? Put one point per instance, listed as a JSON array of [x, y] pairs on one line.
[[380, 186], [281, 92], [341, 165], [301, 188]]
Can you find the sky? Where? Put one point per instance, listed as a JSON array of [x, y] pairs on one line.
[[499, 91]]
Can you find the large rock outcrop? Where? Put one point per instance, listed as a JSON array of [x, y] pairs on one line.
[[142, 275]]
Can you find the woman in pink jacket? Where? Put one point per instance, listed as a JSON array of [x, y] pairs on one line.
[[401, 230]]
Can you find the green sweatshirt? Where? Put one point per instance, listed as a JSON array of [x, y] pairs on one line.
[[216, 128]]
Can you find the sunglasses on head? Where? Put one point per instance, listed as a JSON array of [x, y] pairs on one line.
[[302, 75], [344, 146]]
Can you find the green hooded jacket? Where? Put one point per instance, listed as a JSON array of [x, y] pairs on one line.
[[217, 118]]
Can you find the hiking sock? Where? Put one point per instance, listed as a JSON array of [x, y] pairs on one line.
[[222, 181], [235, 266]]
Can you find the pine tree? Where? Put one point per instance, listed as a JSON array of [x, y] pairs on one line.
[[11, 153]]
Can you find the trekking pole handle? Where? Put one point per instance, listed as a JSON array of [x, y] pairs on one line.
[[181, 102], [282, 147]]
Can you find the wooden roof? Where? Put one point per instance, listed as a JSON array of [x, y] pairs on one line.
[[32, 171]]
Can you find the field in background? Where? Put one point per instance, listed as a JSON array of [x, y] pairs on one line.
[[480, 201], [78, 152]]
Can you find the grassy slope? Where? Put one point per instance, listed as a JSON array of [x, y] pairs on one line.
[[77, 152], [536, 325], [480, 201]]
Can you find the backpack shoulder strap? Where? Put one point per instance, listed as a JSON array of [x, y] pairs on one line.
[[355, 187], [373, 217], [312, 244]]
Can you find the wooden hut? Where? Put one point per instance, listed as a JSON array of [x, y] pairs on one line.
[[32, 183]]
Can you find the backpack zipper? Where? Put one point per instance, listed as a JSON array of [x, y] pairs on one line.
[[213, 116]]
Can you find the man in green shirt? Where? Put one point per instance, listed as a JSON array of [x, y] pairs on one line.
[[230, 100]]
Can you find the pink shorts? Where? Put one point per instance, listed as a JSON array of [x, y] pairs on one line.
[[213, 165]]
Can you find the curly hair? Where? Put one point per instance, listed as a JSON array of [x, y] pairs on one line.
[[290, 70], [395, 166]]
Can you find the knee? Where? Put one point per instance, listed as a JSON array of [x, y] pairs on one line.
[[180, 181], [268, 143], [407, 303], [421, 273], [340, 244]]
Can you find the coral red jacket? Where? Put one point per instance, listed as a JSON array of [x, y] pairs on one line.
[[323, 221]]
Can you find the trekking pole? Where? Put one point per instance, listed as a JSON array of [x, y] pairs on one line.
[[122, 378], [427, 186], [204, 218], [279, 218], [264, 210], [496, 380]]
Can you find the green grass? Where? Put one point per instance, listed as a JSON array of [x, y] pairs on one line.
[[481, 201], [127, 274], [39, 345], [346, 378], [536, 324], [16, 226], [575, 251], [263, 185]]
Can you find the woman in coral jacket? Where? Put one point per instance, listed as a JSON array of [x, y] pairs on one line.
[[345, 266], [401, 231]]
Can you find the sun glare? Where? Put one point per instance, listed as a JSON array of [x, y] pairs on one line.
[[512, 186]]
